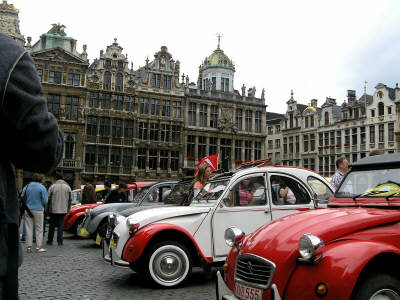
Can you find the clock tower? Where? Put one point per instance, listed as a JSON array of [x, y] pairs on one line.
[[9, 22]]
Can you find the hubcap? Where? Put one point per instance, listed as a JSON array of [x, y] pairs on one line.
[[169, 266], [385, 294]]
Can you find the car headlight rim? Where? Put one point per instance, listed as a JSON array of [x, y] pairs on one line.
[[233, 236], [311, 247]]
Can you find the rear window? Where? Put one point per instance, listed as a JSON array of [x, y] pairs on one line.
[[371, 184]]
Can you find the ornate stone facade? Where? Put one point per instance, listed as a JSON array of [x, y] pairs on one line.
[[9, 22]]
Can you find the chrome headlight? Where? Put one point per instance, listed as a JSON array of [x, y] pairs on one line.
[[233, 236], [311, 248], [133, 226]]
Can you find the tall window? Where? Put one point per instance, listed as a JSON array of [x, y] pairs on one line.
[[155, 107], [305, 139], [347, 137], [154, 129], [202, 147], [239, 119], [203, 115], [214, 83], [156, 80], [297, 144], [94, 99], [165, 133], [354, 136], [277, 143], [55, 77], [176, 134], [312, 121], [312, 142], [249, 117], [102, 156], [144, 106], [258, 121], [338, 137], [116, 128], [381, 109], [127, 158], [91, 126], [105, 100], [191, 144], [90, 155], [153, 159], [118, 102], [305, 122], [192, 114], [247, 150], [71, 108], [129, 103], [143, 131], [177, 109], [390, 132], [167, 82], [128, 128], [285, 145], [115, 156], [212, 145], [214, 116], [372, 134], [107, 80], [69, 146], [225, 84], [332, 137], [166, 108], [141, 162], [238, 150], [119, 82], [73, 78], [104, 126], [40, 74], [362, 135], [174, 160], [164, 159], [257, 150], [53, 104], [326, 118], [381, 133]]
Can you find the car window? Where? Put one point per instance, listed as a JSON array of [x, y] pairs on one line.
[[322, 190], [248, 191], [288, 191], [211, 192]]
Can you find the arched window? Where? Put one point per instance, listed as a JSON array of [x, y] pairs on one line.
[[69, 147], [107, 80], [119, 82], [326, 118], [381, 109], [380, 95]]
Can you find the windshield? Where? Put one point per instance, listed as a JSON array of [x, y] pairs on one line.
[[141, 194], [211, 192], [181, 194], [371, 184]]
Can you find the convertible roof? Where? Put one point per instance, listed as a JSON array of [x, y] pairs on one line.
[[377, 161]]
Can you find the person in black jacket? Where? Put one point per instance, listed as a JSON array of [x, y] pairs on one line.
[[31, 141], [119, 195]]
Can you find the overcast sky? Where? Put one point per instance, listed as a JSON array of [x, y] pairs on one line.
[[317, 48]]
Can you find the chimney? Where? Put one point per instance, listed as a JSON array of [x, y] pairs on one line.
[[351, 96]]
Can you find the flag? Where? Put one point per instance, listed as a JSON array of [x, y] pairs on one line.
[[211, 161]]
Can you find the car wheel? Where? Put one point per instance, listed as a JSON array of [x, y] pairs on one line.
[[102, 229], [379, 287], [169, 264]]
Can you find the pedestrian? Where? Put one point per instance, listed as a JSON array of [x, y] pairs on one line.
[[119, 195], [201, 179], [36, 198], [106, 191], [89, 192], [342, 166], [32, 141], [59, 205]]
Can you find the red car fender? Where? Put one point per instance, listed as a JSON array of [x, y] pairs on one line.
[[68, 223], [340, 268], [135, 245]]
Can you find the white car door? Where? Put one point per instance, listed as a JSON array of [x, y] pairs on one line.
[[289, 195], [244, 206]]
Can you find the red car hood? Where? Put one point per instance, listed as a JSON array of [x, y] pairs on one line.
[[82, 207], [328, 224]]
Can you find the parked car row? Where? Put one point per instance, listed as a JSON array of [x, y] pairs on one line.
[[304, 241]]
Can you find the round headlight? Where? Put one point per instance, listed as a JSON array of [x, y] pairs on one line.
[[233, 236], [311, 247]]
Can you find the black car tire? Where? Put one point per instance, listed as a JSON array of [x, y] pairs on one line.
[[379, 284]]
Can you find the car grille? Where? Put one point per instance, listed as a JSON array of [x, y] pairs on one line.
[[255, 271]]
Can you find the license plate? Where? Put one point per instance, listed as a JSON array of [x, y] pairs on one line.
[[98, 239], [83, 232], [244, 292]]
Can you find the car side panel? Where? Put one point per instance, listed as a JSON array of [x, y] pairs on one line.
[[337, 269], [68, 223], [135, 245]]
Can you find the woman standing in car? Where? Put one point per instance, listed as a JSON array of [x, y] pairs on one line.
[[201, 178]]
